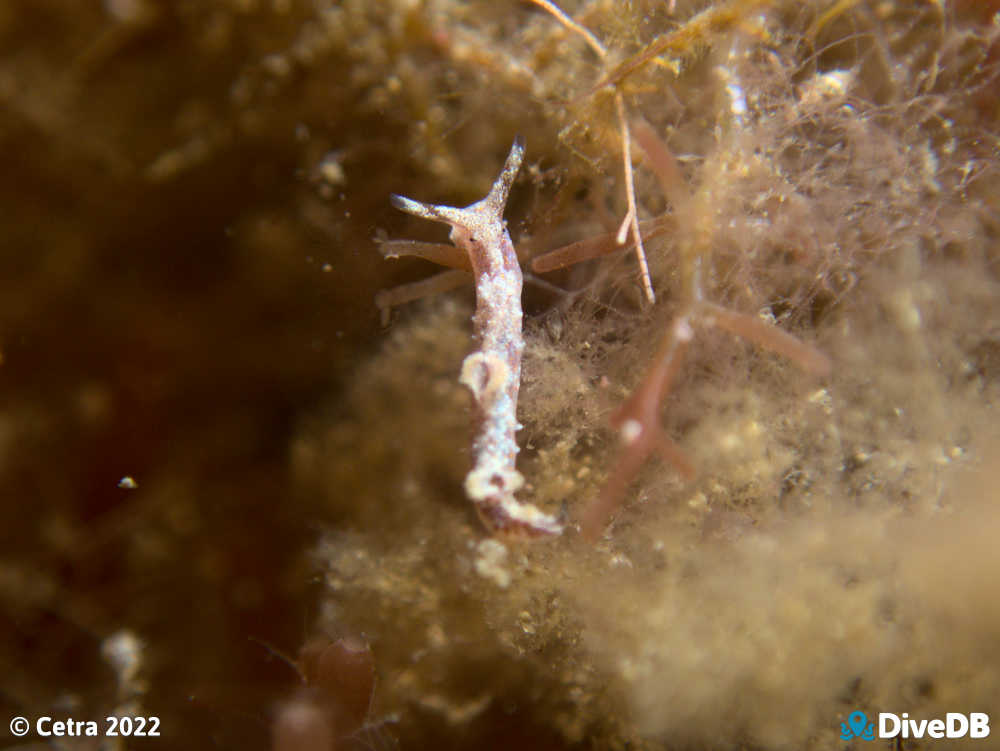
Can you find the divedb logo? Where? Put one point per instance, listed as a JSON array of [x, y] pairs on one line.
[[954, 725]]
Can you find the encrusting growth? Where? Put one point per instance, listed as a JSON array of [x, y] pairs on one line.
[[637, 419], [493, 373]]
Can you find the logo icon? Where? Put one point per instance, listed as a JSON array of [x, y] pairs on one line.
[[857, 726]]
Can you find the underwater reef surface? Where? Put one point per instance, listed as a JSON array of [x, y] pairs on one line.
[[234, 487]]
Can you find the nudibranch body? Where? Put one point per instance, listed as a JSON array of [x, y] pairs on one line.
[[493, 372]]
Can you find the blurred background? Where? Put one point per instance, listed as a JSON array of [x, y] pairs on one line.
[[186, 267]]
